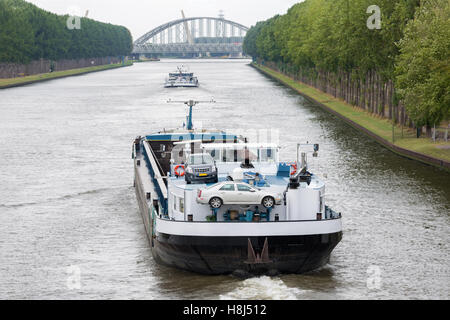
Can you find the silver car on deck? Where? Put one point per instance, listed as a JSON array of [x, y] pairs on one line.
[[232, 192]]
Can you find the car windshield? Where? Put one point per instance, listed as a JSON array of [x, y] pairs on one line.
[[200, 159]]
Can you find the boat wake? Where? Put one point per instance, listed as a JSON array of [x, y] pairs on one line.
[[19, 205], [263, 288], [61, 198]]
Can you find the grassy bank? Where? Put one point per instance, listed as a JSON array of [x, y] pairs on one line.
[[15, 82], [377, 127], [145, 60]]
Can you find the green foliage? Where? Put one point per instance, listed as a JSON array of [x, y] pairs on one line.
[[29, 33], [16, 40], [412, 46], [333, 35], [423, 69]]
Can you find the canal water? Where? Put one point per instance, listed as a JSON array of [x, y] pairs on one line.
[[69, 222]]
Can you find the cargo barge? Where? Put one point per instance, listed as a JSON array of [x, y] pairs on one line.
[[214, 203]]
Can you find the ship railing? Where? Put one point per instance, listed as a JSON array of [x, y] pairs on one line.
[[158, 181], [330, 214]]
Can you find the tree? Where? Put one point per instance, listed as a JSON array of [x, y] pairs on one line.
[[16, 36], [423, 69], [29, 33]]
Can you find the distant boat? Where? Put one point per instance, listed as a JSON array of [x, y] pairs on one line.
[[181, 78]]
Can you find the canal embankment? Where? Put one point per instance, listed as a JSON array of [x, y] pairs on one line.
[[26, 80], [400, 140]]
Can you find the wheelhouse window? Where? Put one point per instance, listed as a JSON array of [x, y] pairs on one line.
[[267, 155], [228, 155], [239, 156], [200, 159], [231, 153], [215, 154], [227, 187], [253, 154]]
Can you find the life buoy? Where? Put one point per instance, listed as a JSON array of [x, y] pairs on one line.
[[177, 173], [294, 167]]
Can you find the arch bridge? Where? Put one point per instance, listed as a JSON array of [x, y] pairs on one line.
[[193, 37]]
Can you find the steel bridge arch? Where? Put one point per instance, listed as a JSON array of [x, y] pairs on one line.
[[142, 40]]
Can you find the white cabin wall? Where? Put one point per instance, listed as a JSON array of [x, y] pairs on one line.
[[175, 211], [266, 168], [199, 211], [303, 204]]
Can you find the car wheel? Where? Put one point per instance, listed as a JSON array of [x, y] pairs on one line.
[[268, 202], [215, 203]]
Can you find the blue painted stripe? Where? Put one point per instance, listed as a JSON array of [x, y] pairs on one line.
[[162, 200], [190, 136]]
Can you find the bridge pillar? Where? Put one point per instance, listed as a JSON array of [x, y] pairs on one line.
[[178, 34], [169, 35], [208, 27], [193, 28], [217, 24], [201, 31]]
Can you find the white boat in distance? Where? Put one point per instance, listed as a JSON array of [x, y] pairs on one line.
[[181, 78]]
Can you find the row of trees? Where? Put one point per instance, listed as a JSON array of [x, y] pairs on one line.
[[29, 33], [329, 45]]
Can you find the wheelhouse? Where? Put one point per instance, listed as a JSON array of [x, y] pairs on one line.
[[237, 152]]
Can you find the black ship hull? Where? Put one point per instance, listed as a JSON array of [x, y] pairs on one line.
[[225, 255]]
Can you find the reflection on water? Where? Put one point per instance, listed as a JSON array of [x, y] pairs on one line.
[[66, 197]]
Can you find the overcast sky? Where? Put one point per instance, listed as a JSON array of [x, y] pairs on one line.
[[141, 16]]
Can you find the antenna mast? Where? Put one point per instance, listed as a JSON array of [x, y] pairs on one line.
[[190, 104]]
